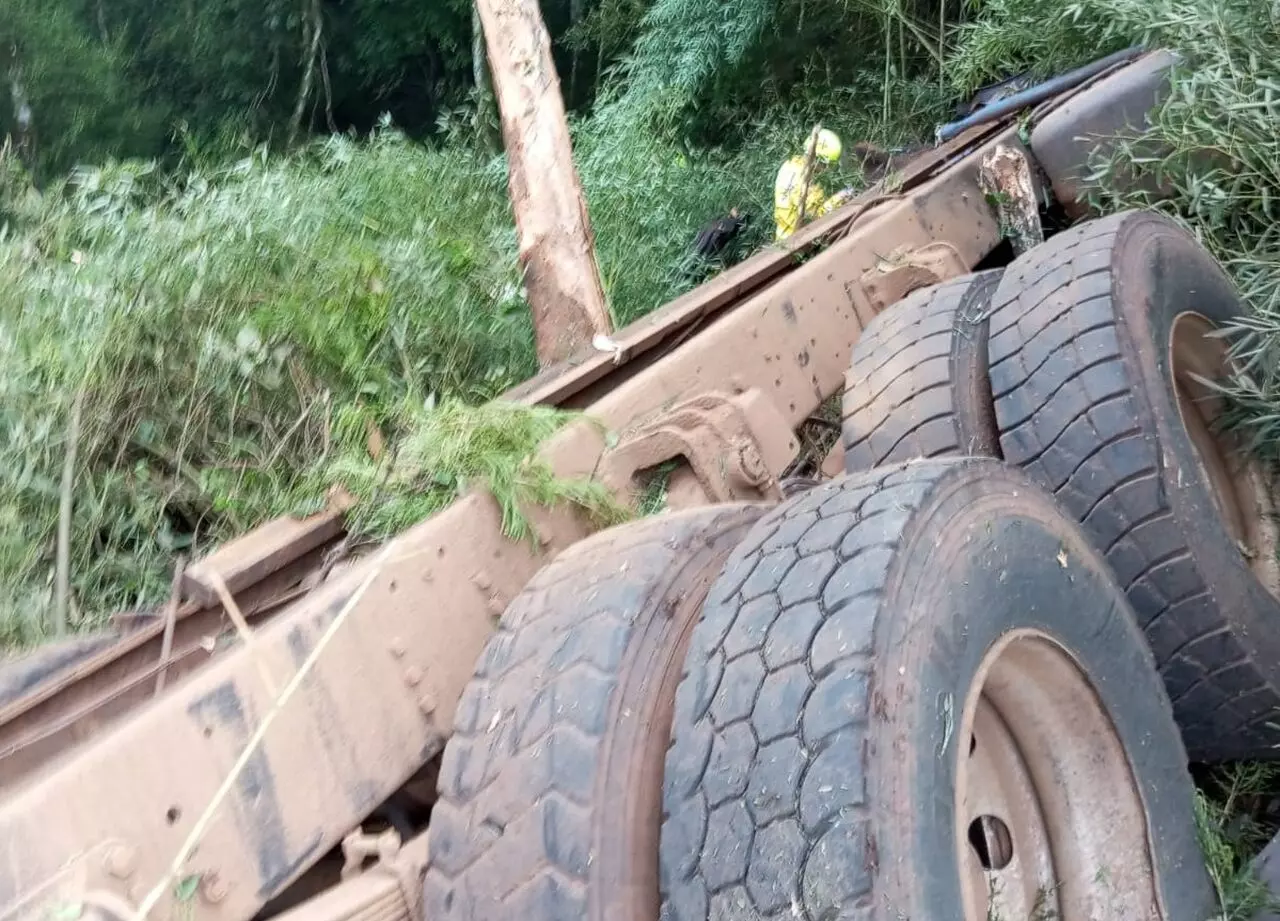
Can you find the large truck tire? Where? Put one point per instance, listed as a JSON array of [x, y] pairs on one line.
[[917, 383], [1099, 348], [551, 786], [919, 690]]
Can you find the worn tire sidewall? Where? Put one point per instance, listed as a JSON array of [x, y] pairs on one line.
[[973, 416], [985, 562], [624, 836], [1157, 273]]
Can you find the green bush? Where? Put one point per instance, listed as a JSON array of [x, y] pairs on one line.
[[1218, 131], [228, 334], [242, 335]]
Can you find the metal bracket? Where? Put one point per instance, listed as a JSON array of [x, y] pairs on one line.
[[88, 888], [358, 847], [900, 273], [735, 445], [387, 891]]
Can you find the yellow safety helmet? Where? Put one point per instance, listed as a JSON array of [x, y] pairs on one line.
[[828, 146]]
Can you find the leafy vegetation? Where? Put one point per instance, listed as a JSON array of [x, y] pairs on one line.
[[245, 337], [224, 330], [245, 324], [1230, 834], [228, 332], [1213, 144], [133, 78]]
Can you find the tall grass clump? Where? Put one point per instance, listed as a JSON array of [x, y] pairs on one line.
[[224, 335], [1215, 141], [1231, 834], [450, 448]]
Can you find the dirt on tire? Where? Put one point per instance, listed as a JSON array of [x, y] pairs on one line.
[[917, 382], [550, 789], [815, 752], [1088, 403]]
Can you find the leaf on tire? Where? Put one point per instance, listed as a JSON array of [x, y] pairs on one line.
[[185, 889]]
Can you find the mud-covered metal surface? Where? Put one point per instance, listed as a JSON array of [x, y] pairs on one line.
[[79, 700], [580, 381], [377, 704]]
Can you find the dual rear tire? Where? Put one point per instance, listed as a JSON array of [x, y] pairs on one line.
[[901, 692], [1098, 346], [888, 695], [551, 786], [906, 692]]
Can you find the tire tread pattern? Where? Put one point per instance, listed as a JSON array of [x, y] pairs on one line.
[[511, 833], [778, 646], [916, 385], [1070, 417]]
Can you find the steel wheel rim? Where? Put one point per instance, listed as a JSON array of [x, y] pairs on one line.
[[1237, 482], [1049, 818]]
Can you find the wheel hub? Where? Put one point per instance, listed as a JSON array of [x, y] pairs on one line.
[[1238, 483], [1049, 821]]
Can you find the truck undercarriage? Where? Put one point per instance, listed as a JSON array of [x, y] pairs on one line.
[[290, 763]]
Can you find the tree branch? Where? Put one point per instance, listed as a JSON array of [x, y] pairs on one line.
[[62, 579], [312, 37]]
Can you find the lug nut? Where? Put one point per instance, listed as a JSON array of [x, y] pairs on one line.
[[120, 861], [212, 888]]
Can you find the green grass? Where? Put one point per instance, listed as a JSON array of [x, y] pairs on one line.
[[240, 336], [1231, 837], [449, 449], [231, 333]]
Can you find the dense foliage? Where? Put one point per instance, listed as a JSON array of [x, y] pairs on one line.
[[1215, 141], [239, 285], [140, 78]]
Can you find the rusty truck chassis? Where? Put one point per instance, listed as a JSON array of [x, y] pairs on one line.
[[104, 778]]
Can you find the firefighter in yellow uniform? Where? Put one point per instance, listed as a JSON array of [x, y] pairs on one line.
[[790, 186]]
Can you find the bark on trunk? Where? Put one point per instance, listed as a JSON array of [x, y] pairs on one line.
[[1005, 176], [312, 40], [23, 135], [557, 248], [479, 59], [486, 105]]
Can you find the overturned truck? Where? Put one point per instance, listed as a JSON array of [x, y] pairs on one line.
[[954, 665]]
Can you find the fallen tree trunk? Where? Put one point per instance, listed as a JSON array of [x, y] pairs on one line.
[[557, 248]]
